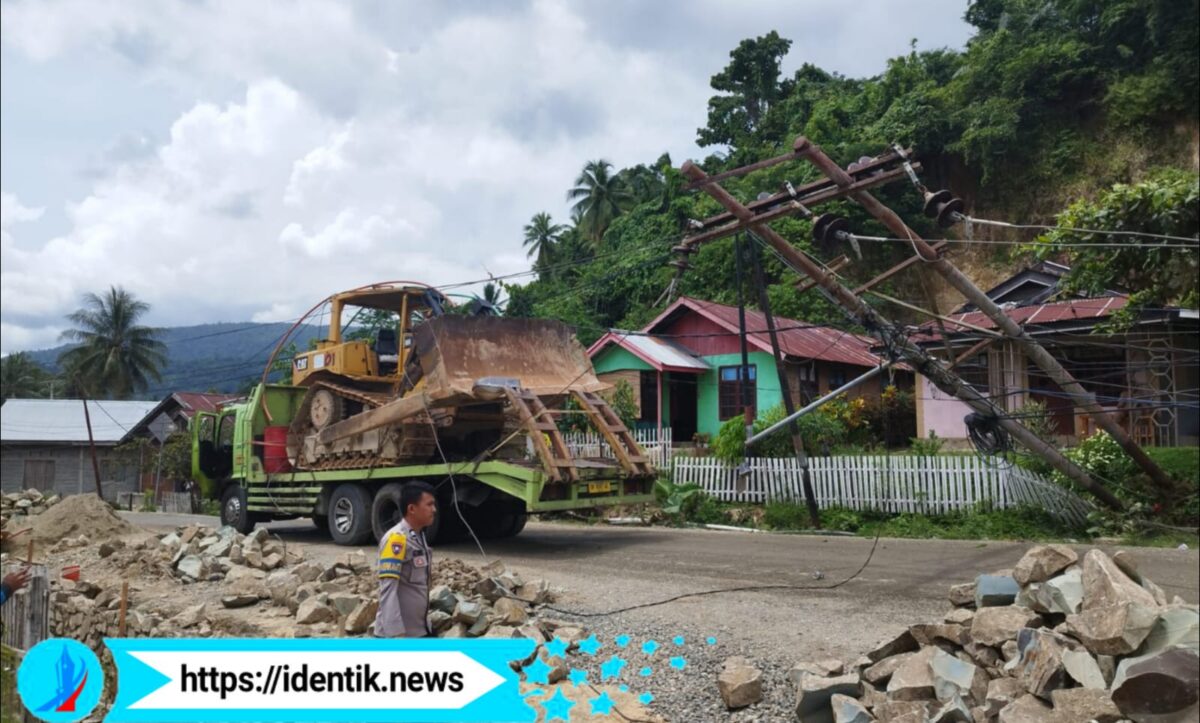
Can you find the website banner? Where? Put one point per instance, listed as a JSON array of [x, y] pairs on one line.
[[242, 679]]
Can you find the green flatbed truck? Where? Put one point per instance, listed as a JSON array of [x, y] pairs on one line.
[[239, 459]]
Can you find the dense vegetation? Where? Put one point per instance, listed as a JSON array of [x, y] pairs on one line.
[[1051, 101]]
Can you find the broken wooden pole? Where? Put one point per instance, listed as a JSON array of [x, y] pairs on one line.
[[898, 343], [956, 278]]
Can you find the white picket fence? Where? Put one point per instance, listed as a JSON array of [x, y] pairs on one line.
[[657, 444], [895, 484]]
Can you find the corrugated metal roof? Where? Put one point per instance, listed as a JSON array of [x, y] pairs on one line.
[[61, 421], [1033, 315], [796, 338], [192, 402], [655, 351]]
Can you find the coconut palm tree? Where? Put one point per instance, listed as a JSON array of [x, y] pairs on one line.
[[22, 378], [114, 356], [541, 235], [599, 197]]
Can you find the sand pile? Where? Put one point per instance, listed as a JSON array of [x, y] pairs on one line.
[[84, 514]]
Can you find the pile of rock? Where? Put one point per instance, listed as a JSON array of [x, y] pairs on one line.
[[1054, 639], [26, 503]]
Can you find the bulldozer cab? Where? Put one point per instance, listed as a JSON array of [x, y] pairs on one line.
[[370, 333]]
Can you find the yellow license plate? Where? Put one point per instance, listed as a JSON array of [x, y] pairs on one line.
[[599, 488]]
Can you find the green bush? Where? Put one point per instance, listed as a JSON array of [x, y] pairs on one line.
[[816, 429], [929, 447]]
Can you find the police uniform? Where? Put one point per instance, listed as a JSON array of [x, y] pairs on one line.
[[405, 562]]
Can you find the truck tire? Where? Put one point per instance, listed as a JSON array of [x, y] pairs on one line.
[[386, 512], [234, 510], [349, 515]]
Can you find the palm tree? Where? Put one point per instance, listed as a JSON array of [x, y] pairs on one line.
[[21, 377], [599, 197], [114, 356], [491, 294], [541, 235]]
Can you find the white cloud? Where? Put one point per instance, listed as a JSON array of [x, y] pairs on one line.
[[331, 145]]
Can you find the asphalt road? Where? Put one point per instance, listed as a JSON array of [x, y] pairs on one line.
[[600, 568]]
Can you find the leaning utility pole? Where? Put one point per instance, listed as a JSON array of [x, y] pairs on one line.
[[1035, 351], [892, 336], [87, 419]]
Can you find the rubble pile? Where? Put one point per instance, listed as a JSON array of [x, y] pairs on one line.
[[76, 520], [17, 507], [1057, 638]]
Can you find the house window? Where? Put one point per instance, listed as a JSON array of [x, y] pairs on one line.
[[837, 376], [730, 390], [39, 475], [974, 371], [648, 388], [806, 378]]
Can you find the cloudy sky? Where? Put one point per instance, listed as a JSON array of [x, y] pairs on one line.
[[232, 161]]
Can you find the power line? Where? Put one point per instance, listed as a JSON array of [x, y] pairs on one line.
[[1072, 229]]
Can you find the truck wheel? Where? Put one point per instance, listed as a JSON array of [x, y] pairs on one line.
[[386, 512], [349, 516], [234, 510], [385, 509], [518, 524]]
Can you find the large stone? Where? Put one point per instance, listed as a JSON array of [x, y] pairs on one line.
[[815, 692], [481, 624], [240, 600], [1062, 594], [1026, 709], [314, 610], [993, 590], [1040, 664], [467, 612], [1105, 585], [954, 710], [902, 643], [1113, 630], [441, 597], [1124, 560], [739, 683], [510, 612], [928, 634], [1083, 669], [192, 566], [995, 625], [534, 591], [1043, 562], [902, 711], [824, 668], [457, 630], [282, 586], [881, 672], [1084, 704], [848, 710], [344, 603], [959, 616], [308, 571], [913, 680], [360, 618], [1176, 627], [1002, 691], [108, 547], [954, 678], [238, 572], [191, 616], [1158, 684], [272, 561], [439, 620], [962, 594]]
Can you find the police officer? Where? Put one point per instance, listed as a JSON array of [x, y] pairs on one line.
[[405, 562]]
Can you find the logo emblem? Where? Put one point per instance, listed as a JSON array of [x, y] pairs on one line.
[[60, 680]]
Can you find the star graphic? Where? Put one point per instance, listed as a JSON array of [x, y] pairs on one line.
[[538, 672], [678, 663], [577, 677], [711, 640], [602, 705], [557, 706], [678, 640], [622, 641], [649, 647], [557, 648], [589, 645], [646, 698], [645, 672], [611, 669]]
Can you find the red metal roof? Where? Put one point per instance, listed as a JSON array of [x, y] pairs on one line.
[[1035, 315], [192, 402], [796, 338]]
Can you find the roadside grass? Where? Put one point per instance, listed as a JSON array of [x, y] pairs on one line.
[[8, 686]]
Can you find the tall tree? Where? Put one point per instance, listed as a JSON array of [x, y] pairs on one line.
[[749, 86], [541, 235], [114, 356], [22, 378], [599, 197]]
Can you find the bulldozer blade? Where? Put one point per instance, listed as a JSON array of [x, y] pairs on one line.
[[457, 352]]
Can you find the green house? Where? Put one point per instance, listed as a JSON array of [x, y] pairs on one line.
[[685, 367]]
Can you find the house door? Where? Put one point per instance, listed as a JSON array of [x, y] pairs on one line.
[[683, 407]]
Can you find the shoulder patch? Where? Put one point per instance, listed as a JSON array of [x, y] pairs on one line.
[[395, 548]]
